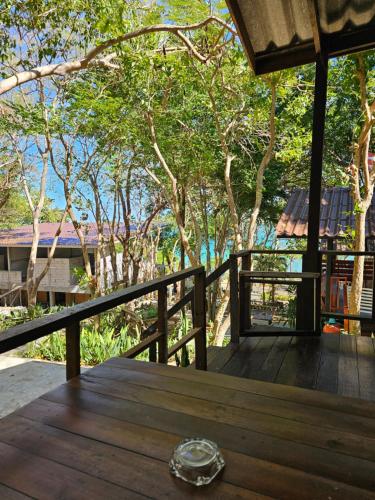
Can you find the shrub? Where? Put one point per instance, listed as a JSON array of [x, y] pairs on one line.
[[96, 346]]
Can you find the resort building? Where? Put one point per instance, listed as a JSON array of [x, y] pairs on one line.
[[60, 286]]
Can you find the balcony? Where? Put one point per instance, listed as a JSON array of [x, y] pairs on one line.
[[123, 418]]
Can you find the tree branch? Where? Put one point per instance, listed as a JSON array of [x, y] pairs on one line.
[[91, 58]]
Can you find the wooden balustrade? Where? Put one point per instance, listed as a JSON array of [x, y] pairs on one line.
[[155, 337], [70, 318]]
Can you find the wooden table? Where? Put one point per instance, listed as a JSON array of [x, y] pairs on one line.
[[110, 433]]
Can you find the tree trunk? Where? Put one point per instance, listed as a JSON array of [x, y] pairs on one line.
[[173, 197], [232, 205], [358, 268], [217, 330], [260, 174]]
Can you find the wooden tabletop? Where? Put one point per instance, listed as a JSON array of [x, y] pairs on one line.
[[110, 434]]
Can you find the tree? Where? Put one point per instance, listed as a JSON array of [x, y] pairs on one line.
[[362, 180], [43, 23]]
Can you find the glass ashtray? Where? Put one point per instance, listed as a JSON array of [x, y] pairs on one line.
[[197, 461]]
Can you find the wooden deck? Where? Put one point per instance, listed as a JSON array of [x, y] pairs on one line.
[[339, 364], [109, 434]]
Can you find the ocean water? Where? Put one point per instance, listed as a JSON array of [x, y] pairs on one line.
[[294, 262]]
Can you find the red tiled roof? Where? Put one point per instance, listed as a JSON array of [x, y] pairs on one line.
[[22, 236], [336, 214]]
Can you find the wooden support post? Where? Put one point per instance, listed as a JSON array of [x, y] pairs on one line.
[[311, 258], [163, 324], [152, 353], [234, 300], [245, 302], [317, 300], [73, 350], [373, 289], [329, 269], [199, 320]]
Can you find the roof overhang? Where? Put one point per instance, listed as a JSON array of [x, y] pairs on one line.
[[279, 34]]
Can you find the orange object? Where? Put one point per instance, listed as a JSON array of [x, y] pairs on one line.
[[330, 328]]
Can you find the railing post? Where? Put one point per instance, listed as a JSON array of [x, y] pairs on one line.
[[318, 294], [163, 324], [373, 288], [234, 300], [152, 352], [199, 320], [245, 292], [73, 350]]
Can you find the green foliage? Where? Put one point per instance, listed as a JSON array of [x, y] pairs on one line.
[[291, 312], [19, 316], [182, 329], [96, 346]]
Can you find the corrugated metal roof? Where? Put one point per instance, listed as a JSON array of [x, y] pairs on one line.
[[276, 24], [336, 214], [338, 15], [22, 236], [278, 34]]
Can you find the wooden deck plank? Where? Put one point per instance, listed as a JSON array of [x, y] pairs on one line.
[[348, 381], [322, 462], [258, 356], [223, 357], [366, 368], [293, 431], [286, 482], [301, 363], [11, 494], [41, 478], [110, 432], [328, 363], [262, 404], [238, 362], [119, 466], [327, 379], [272, 364], [307, 397]]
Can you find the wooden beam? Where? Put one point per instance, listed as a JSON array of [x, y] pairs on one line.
[[37, 328], [350, 41], [234, 300], [245, 292], [311, 260], [185, 339], [73, 350], [320, 98], [163, 325], [199, 321], [242, 31], [148, 343], [267, 62], [315, 25]]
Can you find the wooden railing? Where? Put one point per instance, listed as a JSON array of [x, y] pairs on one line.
[[240, 298], [330, 254], [157, 343], [155, 337], [240, 305]]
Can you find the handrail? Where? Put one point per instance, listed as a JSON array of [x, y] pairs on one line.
[[244, 253], [184, 340], [347, 252], [71, 317], [189, 297]]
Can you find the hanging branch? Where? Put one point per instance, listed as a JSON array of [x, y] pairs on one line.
[[92, 56]]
